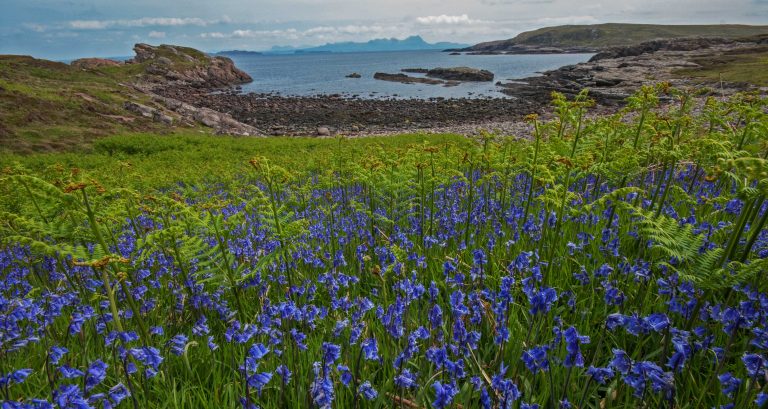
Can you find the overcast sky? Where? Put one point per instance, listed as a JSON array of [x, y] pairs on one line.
[[61, 29]]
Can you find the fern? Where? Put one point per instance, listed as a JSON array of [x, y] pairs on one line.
[[670, 240]]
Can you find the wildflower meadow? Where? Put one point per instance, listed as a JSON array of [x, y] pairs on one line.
[[601, 261]]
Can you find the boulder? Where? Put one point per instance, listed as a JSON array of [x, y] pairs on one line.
[[354, 75], [461, 74], [148, 112], [140, 109], [162, 118], [144, 52], [323, 131]]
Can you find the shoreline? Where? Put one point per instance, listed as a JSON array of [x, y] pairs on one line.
[[611, 77], [327, 115]]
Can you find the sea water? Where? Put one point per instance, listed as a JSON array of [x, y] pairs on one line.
[[325, 74]]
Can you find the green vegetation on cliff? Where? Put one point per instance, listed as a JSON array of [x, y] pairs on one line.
[[616, 35], [50, 106]]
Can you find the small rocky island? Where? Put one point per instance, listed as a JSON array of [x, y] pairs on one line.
[[461, 74], [405, 79], [438, 76]]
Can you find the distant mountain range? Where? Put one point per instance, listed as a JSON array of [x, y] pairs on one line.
[[413, 43]]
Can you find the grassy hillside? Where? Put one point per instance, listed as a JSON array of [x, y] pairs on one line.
[[615, 34], [46, 105], [49, 106]]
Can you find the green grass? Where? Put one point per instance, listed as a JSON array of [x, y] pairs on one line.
[[149, 160], [742, 66]]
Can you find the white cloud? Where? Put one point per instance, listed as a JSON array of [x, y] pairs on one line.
[[213, 35], [446, 19], [320, 32], [88, 24], [157, 34], [144, 22]]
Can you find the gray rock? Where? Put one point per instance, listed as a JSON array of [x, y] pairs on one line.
[[323, 131], [164, 61], [140, 109], [148, 112], [207, 117], [163, 118]]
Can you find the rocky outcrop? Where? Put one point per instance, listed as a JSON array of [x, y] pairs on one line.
[[175, 65], [169, 111], [223, 123], [461, 74], [613, 76], [405, 79], [94, 63], [680, 44], [415, 70]]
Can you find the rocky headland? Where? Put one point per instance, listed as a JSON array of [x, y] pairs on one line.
[[170, 66]]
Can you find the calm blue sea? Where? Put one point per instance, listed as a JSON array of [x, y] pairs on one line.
[[315, 74]]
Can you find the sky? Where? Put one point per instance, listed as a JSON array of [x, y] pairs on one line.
[[65, 29]]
